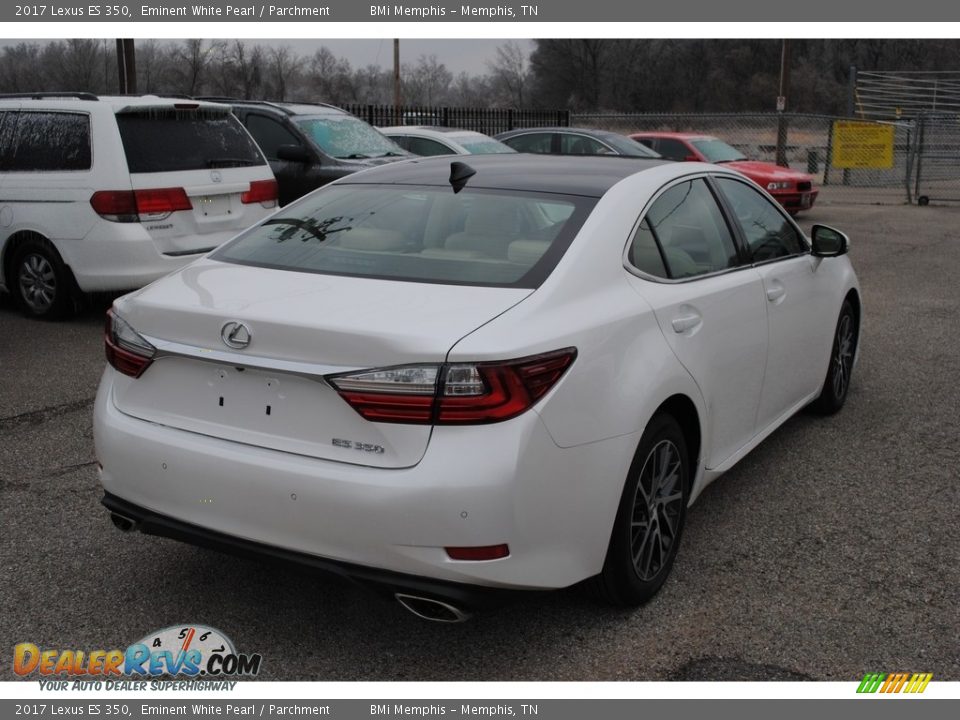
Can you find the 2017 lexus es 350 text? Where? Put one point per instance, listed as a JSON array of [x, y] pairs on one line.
[[452, 380]]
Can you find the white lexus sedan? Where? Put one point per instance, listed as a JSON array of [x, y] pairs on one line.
[[450, 381]]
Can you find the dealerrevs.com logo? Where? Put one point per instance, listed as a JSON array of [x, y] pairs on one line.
[[188, 650]]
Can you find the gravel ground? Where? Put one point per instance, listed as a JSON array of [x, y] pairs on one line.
[[830, 551]]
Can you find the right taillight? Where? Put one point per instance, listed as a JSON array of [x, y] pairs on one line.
[[454, 393], [127, 351], [139, 205], [262, 191]]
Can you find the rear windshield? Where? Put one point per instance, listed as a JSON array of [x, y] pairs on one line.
[[419, 234], [167, 140]]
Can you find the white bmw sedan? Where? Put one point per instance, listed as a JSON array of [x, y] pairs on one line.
[[452, 380]]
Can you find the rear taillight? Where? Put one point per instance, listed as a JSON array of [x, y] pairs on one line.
[[261, 191], [127, 351], [139, 205], [453, 394]]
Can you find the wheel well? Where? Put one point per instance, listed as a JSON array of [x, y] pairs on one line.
[[682, 409], [854, 298]]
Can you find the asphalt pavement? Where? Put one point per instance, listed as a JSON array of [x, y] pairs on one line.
[[830, 551]]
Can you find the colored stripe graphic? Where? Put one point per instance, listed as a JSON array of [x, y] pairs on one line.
[[894, 682]]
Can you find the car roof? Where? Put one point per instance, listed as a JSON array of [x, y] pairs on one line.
[[584, 175], [676, 135], [117, 103], [556, 129], [430, 130]]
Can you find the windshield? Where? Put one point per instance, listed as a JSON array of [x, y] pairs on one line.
[[482, 145], [347, 137], [717, 151], [420, 234], [628, 146]]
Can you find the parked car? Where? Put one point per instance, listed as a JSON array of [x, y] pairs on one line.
[[311, 144], [573, 141], [421, 140], [450, 380], [794, 190], [110, 193]]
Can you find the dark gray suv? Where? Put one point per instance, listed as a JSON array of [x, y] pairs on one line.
[[311, 144]]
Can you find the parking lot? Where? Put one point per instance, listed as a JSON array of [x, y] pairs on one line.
[[830, 551]]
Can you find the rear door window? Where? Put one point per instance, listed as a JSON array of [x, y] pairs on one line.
[[532, 143], [49, 141], [673, 149], [582, 145], [683, 235], [165, 140]]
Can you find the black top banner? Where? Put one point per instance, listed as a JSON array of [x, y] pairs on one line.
[[328, 11]]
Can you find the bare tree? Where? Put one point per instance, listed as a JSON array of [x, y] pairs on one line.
[[285, 68], [510, 75], [427, 82]]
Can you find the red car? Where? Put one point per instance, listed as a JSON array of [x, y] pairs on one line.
[[794, 190]]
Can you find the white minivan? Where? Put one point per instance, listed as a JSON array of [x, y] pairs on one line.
[[110, 193]]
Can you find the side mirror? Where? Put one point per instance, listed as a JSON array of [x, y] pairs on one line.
[[829, 242], [293, 153], [691, 158]]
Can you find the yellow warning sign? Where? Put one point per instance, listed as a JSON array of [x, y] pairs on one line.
[[862, 145]]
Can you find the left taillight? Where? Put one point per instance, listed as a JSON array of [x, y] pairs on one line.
[[261, 191], [453, 393], [127, 351]]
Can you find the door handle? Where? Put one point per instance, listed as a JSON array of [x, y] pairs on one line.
[[776, 291], [683, 323]]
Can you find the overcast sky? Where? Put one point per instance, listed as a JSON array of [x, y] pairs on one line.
[[469, 56]]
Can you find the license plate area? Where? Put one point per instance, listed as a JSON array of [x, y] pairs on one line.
[[265, 408], [212, 205]]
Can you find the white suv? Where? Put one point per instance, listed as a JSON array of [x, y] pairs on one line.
[[111, 193]]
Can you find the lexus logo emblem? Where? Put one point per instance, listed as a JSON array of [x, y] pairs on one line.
[[216, 176], [235, 335]]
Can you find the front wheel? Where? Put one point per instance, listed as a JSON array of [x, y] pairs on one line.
[[837, 383], [653, 507]]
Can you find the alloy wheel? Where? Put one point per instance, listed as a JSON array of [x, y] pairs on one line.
[[843, 357], [38, 282], [657, 509]]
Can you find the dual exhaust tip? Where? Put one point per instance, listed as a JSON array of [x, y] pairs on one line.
[[423, 607]]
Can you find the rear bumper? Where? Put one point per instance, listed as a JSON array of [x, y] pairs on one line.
[[475, 486], [385, 582]]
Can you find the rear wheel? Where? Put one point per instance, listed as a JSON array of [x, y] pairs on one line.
[[837, 383], [653, 507], [42, 284]]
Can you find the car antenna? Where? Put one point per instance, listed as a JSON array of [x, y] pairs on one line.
[[459, 174]]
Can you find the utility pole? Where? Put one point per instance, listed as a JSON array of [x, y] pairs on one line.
[[126, 67], [397, 120], [782, 104]]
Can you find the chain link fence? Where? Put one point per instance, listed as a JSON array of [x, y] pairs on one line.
[[846, 161]]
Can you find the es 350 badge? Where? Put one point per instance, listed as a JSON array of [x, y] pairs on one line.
[[190, 650]]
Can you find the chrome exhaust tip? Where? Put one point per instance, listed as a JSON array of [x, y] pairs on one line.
[[124, 524], [431, 609]]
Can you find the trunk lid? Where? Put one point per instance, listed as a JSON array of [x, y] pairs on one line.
[[302, 326]]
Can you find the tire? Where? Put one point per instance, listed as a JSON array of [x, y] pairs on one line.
[[646, 534], [41, 283], [836, 386]]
